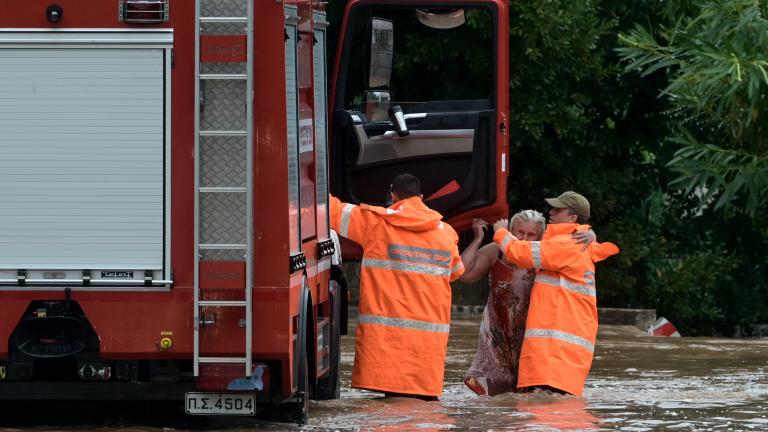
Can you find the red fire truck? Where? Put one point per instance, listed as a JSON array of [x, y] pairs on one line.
[[164, 179]]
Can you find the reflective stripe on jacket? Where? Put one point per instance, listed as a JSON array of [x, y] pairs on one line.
[[409, 258], [562, 317]]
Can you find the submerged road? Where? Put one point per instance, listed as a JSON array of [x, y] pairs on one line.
[[638, 383]]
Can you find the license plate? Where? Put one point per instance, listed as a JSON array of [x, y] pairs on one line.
[[220, 404]]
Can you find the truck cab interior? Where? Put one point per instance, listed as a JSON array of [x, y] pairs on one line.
[[385, 121]]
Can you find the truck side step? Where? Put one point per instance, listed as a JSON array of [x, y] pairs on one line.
[[229, 360], [221, 246], [223, 190], [206, 20], [223, 76], [222, 303], [226, 133]]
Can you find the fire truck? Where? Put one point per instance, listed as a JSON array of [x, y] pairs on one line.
[[165, 170]]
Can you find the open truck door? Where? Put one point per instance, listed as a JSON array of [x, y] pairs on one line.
[[452, 133]]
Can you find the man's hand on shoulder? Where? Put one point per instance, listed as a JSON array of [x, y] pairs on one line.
[[585, 238]]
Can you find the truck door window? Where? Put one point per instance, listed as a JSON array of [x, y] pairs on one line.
[[444, 77], [453, 60]]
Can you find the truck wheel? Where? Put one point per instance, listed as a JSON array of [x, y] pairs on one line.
[[329, 387]]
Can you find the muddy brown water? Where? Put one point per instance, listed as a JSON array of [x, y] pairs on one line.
[[637, 383]]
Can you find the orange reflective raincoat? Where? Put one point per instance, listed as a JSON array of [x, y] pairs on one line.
[[561, 327], [409, 258]]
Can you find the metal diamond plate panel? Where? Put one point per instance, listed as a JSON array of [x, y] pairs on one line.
[[222, 28], [222, 255], [223, 161], [223, 105], [223, 68], [222, 218], [223, 8]]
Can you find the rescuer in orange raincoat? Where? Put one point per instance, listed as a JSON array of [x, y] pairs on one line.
[[409, 258], [561, 327]]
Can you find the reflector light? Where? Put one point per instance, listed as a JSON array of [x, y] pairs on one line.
[[143, 11]]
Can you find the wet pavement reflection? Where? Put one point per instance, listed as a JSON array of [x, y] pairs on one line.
[[637, 383]]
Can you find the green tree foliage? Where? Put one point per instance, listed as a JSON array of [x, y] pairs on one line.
[[713, 56], [716, 58]]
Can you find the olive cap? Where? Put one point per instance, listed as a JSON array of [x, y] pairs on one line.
[[572, 200]]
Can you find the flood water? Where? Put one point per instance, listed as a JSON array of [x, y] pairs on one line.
[[637, 383]]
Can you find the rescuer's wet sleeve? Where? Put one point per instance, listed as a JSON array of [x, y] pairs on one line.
[[457, 265], [350, 221]]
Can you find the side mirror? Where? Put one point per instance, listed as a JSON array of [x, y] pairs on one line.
[[377, 105], [398, 120], [382, 47]]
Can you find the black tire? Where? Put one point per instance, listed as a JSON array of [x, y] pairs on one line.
[[337, 274], [329, 387]]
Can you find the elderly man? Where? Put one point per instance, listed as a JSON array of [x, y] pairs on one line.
[[561, 327], [409, 257]]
